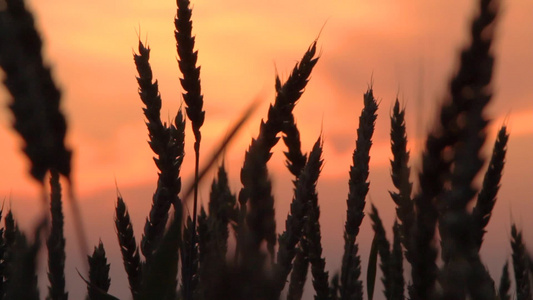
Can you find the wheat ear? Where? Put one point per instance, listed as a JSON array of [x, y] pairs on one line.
[[254, 175], [505, 283], [463, 273], [383, 247], [491, 184], [400, 173], [295, 158], [159, 280], [300, 267], [397, 281], [351, 285], [168, 144], [312, 225], [520, 264], [98, 272], [36, 98], [128, 246], [22, 281]]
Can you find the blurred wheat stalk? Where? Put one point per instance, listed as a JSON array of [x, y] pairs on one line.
[[263, 262]]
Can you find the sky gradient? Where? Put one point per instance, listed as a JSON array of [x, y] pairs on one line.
[[403, 48]]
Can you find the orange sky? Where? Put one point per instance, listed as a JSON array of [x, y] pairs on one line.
[[408, 48]]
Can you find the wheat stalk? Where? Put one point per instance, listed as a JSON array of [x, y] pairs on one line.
[[254, 175], [22, 281], [56, 243], [168, 144], [383, 247], [128, 246], [397, 281], [491, 184], [189, 253], [295, 158], [193, 95], [351, 286], [159, 280], [505, 283], [299, 272], [98, 272], [36, 98], [301, 205], [400, 173], [520, 264], [312, 225], [470, 90]]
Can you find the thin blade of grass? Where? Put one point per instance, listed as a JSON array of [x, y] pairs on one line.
[[101, 294], [221, 147]]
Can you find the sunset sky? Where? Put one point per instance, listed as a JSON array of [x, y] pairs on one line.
[[406, 48]]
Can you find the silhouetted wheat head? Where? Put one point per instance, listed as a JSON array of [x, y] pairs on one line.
[[231, 249]]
